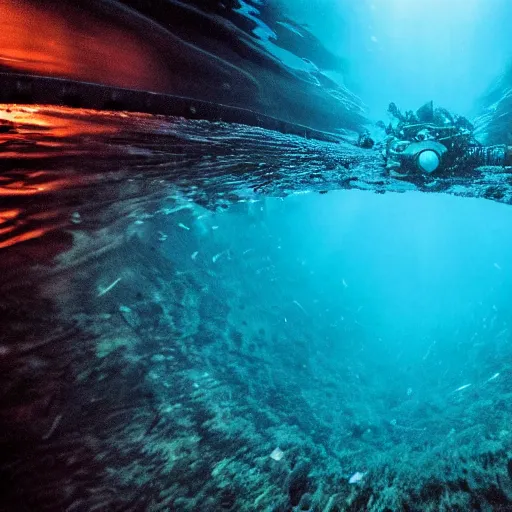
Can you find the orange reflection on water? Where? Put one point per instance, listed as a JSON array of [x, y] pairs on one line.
[[18, 189], [69, 42], [23, 189], [56, 121], [27, 235], [8, 220], [23, 115], [7, 229], [7, 215]]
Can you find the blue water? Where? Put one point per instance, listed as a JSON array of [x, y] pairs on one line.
[[378, 325], [411, 51], [418, 283]]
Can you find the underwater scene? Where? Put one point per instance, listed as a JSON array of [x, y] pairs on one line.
[[256, 256]]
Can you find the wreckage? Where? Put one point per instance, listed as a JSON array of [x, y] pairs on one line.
[[432, 140]]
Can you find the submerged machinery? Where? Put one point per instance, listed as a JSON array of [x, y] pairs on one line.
[[433, 140]]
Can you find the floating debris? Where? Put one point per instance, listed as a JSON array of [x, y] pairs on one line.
[[277, 454], [168, 211], [162, 237], [217, 256], [182, 226], [54, 426], [356, 477], [108, 288], [75, 218], [297, 303], [194, 255], [429, 349]]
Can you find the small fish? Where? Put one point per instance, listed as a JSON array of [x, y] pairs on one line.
[[217, 256], [345, 285], [497, 266], [182, 226], [108, 288], [194, 255], [462, 387], [495, 376], [297, 303], [215, 227], [356, 477]]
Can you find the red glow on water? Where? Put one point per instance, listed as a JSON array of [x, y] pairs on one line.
[[50, 135], [7, 215], [22, 189], [57, 119], [8, 220], [27, 235], [77, 45]]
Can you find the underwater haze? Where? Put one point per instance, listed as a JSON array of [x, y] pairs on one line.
[[208, 316], [413, 51]]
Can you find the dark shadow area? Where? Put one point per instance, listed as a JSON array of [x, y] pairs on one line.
[[203, 50]]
